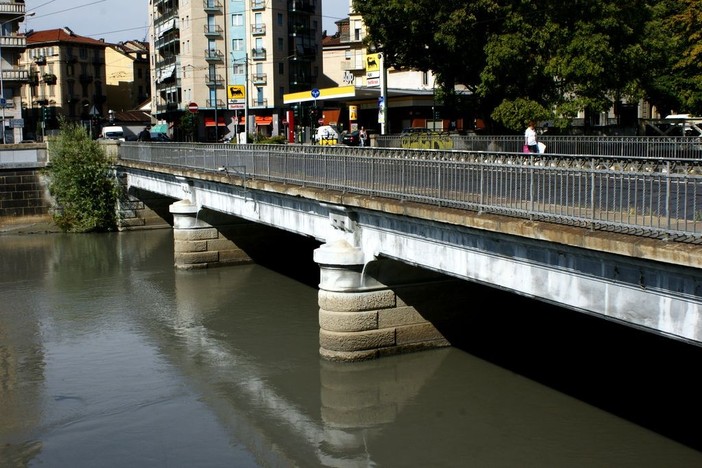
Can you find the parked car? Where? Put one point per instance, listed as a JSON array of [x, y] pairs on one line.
[[350, 138]]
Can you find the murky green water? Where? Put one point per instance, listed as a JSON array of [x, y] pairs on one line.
[[109, 357]]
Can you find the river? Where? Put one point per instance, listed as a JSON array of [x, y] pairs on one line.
[[110, 357]]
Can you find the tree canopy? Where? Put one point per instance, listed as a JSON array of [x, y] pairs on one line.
[[546, 60]]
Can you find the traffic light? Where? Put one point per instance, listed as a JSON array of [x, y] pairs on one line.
[[45, 113], [296, 111]]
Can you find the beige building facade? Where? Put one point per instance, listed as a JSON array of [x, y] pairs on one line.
[[231, 61]]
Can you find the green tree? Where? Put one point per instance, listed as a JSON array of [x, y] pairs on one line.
[[674, 42], [522, 60], [188, 125], [81, 183]]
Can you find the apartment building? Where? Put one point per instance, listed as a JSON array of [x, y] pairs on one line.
[[66, 77], [232, 61], [12, 74]]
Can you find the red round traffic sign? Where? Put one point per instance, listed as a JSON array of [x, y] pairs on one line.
[[320, 121], [192, 107]]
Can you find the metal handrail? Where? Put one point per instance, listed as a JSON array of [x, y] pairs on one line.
[[643, 196]]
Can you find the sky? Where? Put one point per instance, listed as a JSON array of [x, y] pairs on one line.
[[124, 20]]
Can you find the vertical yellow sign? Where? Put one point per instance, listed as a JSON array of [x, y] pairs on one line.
[[372, 63], [353, 111]]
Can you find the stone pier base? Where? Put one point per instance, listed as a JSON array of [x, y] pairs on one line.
[[198, 244], [380, 308]]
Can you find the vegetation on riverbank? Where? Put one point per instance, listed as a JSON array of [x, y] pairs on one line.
[[80, 182]]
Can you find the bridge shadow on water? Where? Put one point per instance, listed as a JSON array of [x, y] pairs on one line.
[[638, 376], [641, 377]]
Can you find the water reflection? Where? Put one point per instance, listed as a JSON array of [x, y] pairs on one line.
[[111, 357]]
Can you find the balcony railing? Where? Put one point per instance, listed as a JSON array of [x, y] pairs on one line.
[[214, 80], [214, 55], [15, 74], [212, 6], [15, 9], [213, 30], [259, 78], [215, 103], [258, 54], [13, 41], [258, 4], [262, 102], [49, 78], [258, 29]]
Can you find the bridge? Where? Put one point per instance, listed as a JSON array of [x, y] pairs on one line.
[[401, 231]]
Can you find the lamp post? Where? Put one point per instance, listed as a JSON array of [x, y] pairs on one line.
[[3, 102]]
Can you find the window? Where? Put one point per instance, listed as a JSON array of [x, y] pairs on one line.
[[280, 19], [281, 68], [425, 78], [238, 69], [237, 19], [281, 43], [237, 44]]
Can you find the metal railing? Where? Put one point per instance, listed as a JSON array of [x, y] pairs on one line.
[[634, 146], [648, 197]]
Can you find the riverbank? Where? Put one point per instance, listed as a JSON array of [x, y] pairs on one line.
[[28, 225]]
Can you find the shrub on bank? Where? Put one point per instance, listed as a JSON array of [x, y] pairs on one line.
[[80, 182]]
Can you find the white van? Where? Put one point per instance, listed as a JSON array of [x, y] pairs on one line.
[[326, 135], [113, 133]]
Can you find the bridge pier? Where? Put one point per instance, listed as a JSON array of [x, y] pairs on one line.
[[197, 243], [384, 307]]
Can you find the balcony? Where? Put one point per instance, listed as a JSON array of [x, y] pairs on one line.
[[258, 54], [171, 38], [351, 65], [167, 107], [258, 29], [259, 78], [49, 78], [214, 81], [40, 60], [262, 102], [212, 103], [212, 6], [214, 55], [15, 74], [213, 31], [15, 9], [13, 41], [258, 4]]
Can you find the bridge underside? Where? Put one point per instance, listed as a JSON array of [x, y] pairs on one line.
[[370, 305]]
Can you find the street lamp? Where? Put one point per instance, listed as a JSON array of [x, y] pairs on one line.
[[3, 103]]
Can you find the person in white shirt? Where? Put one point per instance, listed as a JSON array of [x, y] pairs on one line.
[[362, 135], [530, 137]]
